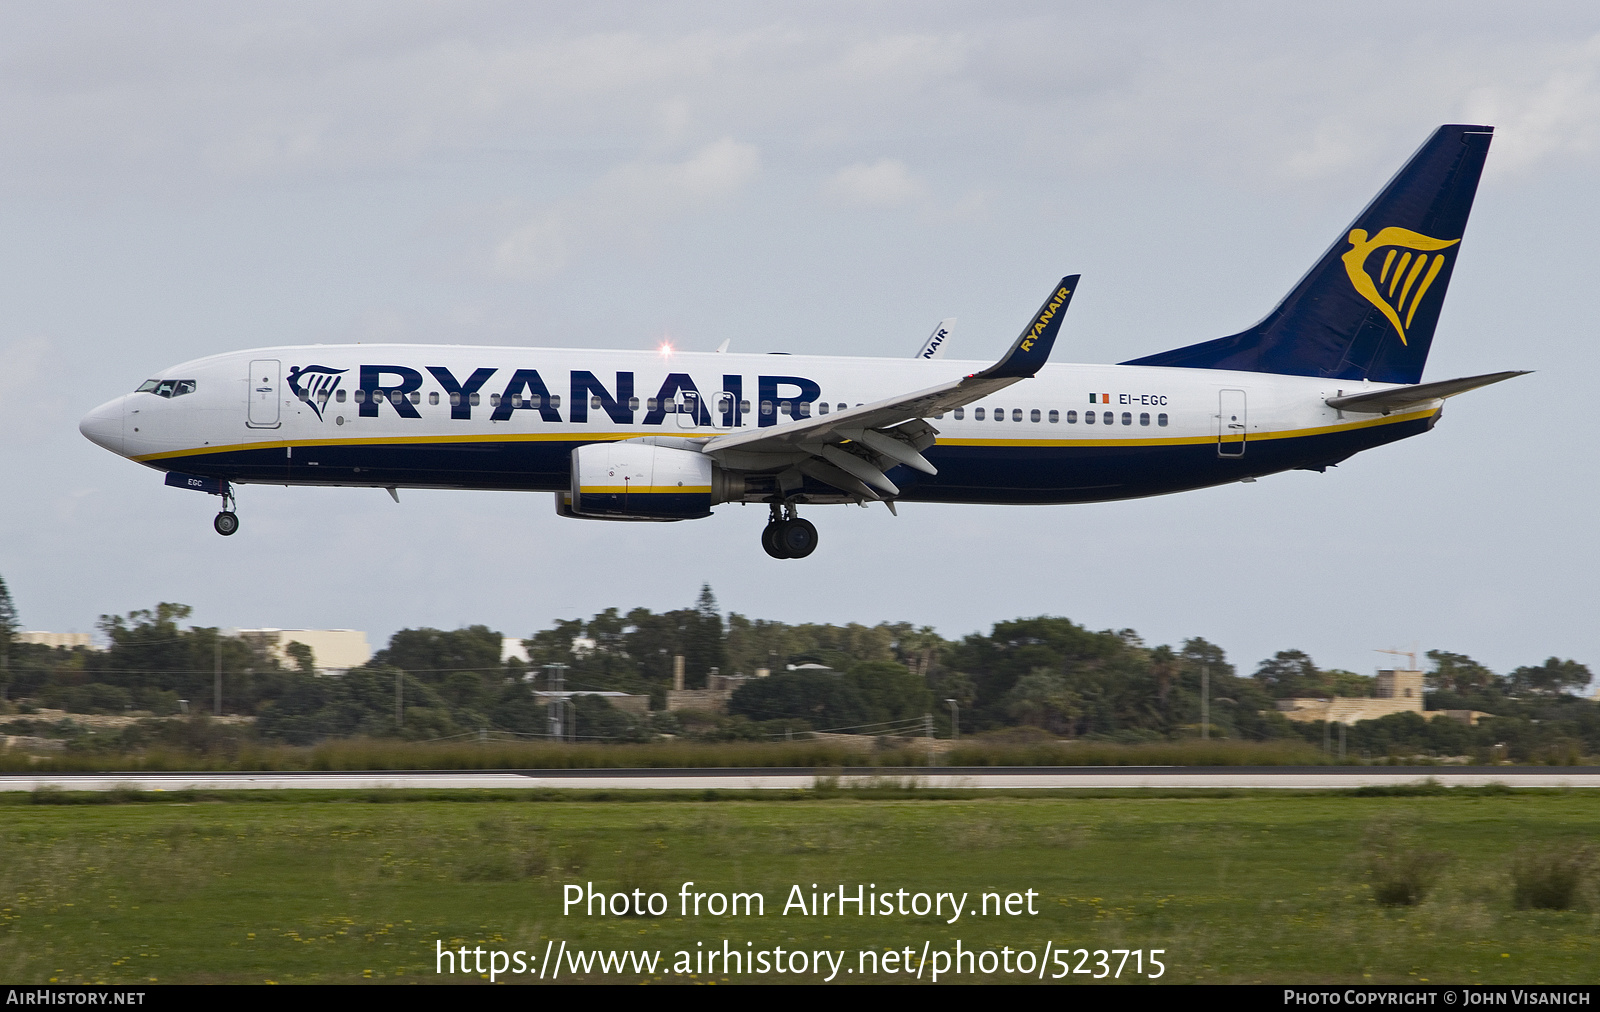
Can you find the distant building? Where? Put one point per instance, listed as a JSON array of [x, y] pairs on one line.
[[511, 649], [50, 639], [1397, 691], [333, 651]]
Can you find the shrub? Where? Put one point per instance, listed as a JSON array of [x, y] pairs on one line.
[[1550, 879], [1400, 874]]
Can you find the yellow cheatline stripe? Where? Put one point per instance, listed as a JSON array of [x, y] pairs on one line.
[[644, 489], [515, 437], [601, 437]]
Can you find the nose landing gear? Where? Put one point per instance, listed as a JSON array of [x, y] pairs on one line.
[[786, 536]]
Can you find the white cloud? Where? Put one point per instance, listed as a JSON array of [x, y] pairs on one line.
[[630, 201], [884, 183]]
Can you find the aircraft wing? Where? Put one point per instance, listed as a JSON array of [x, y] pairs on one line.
[[1394, 398], [852, 448]]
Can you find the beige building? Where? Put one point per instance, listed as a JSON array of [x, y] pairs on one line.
[[50, 639], [333, 651], [1397, 691]]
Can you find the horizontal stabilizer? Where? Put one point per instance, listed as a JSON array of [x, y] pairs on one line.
[[1395, 398]]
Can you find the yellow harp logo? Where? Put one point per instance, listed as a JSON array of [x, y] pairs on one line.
[[1406, 275]]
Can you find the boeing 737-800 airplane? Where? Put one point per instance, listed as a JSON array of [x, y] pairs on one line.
[[1335, 369]]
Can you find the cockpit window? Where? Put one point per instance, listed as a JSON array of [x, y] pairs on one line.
[[166, 388]]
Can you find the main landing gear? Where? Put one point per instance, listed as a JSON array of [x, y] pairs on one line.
[[227, 522], [786, 535]]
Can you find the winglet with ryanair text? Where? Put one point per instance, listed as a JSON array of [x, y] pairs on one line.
[[1033, 345]]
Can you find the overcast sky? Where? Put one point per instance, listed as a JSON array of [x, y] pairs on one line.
[[183, 179]]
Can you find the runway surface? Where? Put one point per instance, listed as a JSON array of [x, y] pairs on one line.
[[975, 778]]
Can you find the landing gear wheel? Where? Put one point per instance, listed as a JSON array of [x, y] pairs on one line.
[[226, 523], [769, 540], [797, 538]]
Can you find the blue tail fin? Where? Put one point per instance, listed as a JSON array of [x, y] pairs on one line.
[[1367, 310]]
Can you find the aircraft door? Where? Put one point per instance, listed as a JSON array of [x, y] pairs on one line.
[[263, 386], [1231, 432]]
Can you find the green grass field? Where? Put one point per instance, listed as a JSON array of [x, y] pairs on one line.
[[342, 888]]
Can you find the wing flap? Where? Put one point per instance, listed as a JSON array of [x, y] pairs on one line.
[[852, 449]]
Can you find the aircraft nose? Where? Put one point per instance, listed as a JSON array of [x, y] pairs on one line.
[[103, 425]]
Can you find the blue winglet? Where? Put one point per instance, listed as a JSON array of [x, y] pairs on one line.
[[1038, 337]]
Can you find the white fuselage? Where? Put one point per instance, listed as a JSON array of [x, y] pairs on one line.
[[495, 417]]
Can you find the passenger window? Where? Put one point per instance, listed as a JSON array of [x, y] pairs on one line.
[[843, 406], [1055, 416], [1144, 418], [633, 404], [433, 397], [959, 412], [1088, 417], [1161, 419], [361, 396], [1016, 415], [804, 409], [977, 414], [594, 403], [1033, 416], [416, 397], [534, 400], [555, 401], [494, 400], [822, 408], [744, 407], [783, 407], [455, 399], [724, 403], [340, 396], [999, 414], [395, 397], [1072, 417], [651, 404], [766, 407], [476, 398], [1108, 418]]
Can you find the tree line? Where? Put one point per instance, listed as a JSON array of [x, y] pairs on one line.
[[1047, 674]]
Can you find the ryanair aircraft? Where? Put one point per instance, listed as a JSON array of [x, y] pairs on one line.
[[1335, 369]]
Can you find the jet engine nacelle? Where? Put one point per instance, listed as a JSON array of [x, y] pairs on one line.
[[639, 481]]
